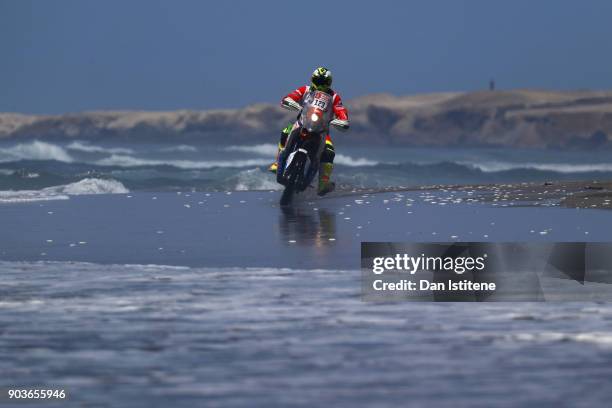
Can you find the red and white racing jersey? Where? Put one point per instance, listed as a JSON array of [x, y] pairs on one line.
[[339, 110]]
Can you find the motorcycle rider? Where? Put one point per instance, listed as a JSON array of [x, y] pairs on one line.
[[321, 80]]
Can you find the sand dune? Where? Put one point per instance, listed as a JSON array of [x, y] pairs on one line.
[[518, 118]]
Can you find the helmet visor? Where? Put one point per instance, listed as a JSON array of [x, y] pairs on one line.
[[321, 82]]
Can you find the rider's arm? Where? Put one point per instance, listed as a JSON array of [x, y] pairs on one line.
[[342, 120], [294, 99]]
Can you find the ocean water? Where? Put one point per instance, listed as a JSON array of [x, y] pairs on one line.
[[33, 165], [154, 276]]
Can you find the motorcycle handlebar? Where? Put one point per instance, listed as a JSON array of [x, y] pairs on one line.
[[291, 104], [341, 125]]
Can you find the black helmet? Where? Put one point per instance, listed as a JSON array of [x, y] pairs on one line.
[[321, 79]]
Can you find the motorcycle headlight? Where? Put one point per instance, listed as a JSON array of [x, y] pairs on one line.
[[314, 117]]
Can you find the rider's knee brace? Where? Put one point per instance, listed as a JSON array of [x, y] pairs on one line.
[[328, 154], [283, 138]]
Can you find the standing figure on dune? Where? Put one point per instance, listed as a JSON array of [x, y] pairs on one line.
[[321, 80]]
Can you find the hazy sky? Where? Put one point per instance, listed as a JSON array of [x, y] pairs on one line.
[[67, 56]]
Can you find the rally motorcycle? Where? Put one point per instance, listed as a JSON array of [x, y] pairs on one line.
[[298, 163]]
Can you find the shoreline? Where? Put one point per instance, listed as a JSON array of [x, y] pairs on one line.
[[593, 194]]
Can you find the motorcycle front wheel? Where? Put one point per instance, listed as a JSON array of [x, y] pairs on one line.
[[296, 171]]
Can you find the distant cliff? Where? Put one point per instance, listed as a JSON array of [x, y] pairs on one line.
[[520, 118]]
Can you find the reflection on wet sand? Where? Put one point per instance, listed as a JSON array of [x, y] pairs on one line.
[[305, 226]]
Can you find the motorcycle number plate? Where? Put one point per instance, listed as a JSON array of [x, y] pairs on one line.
[[321, 100]]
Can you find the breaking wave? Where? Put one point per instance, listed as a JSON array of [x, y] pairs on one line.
[[130, 161], [89, 148], [85, 186], [35, 150], [93, 186], [253, 179], [352, 162]]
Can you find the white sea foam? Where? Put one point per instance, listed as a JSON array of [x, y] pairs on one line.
[[89, 148], [24, 196], [254, 179], [130, 161], [93, 186], [62, 192], [270, 150], [265, 149], [35, 150], [184, 272], [493, 167], [602, 339], [180, 148], [354, 162]]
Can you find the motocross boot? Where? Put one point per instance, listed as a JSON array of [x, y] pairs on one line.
[[281, 145], [325, 186], [274, 166]]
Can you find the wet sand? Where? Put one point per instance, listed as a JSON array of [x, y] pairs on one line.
[[250, 229], [569, 194]]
